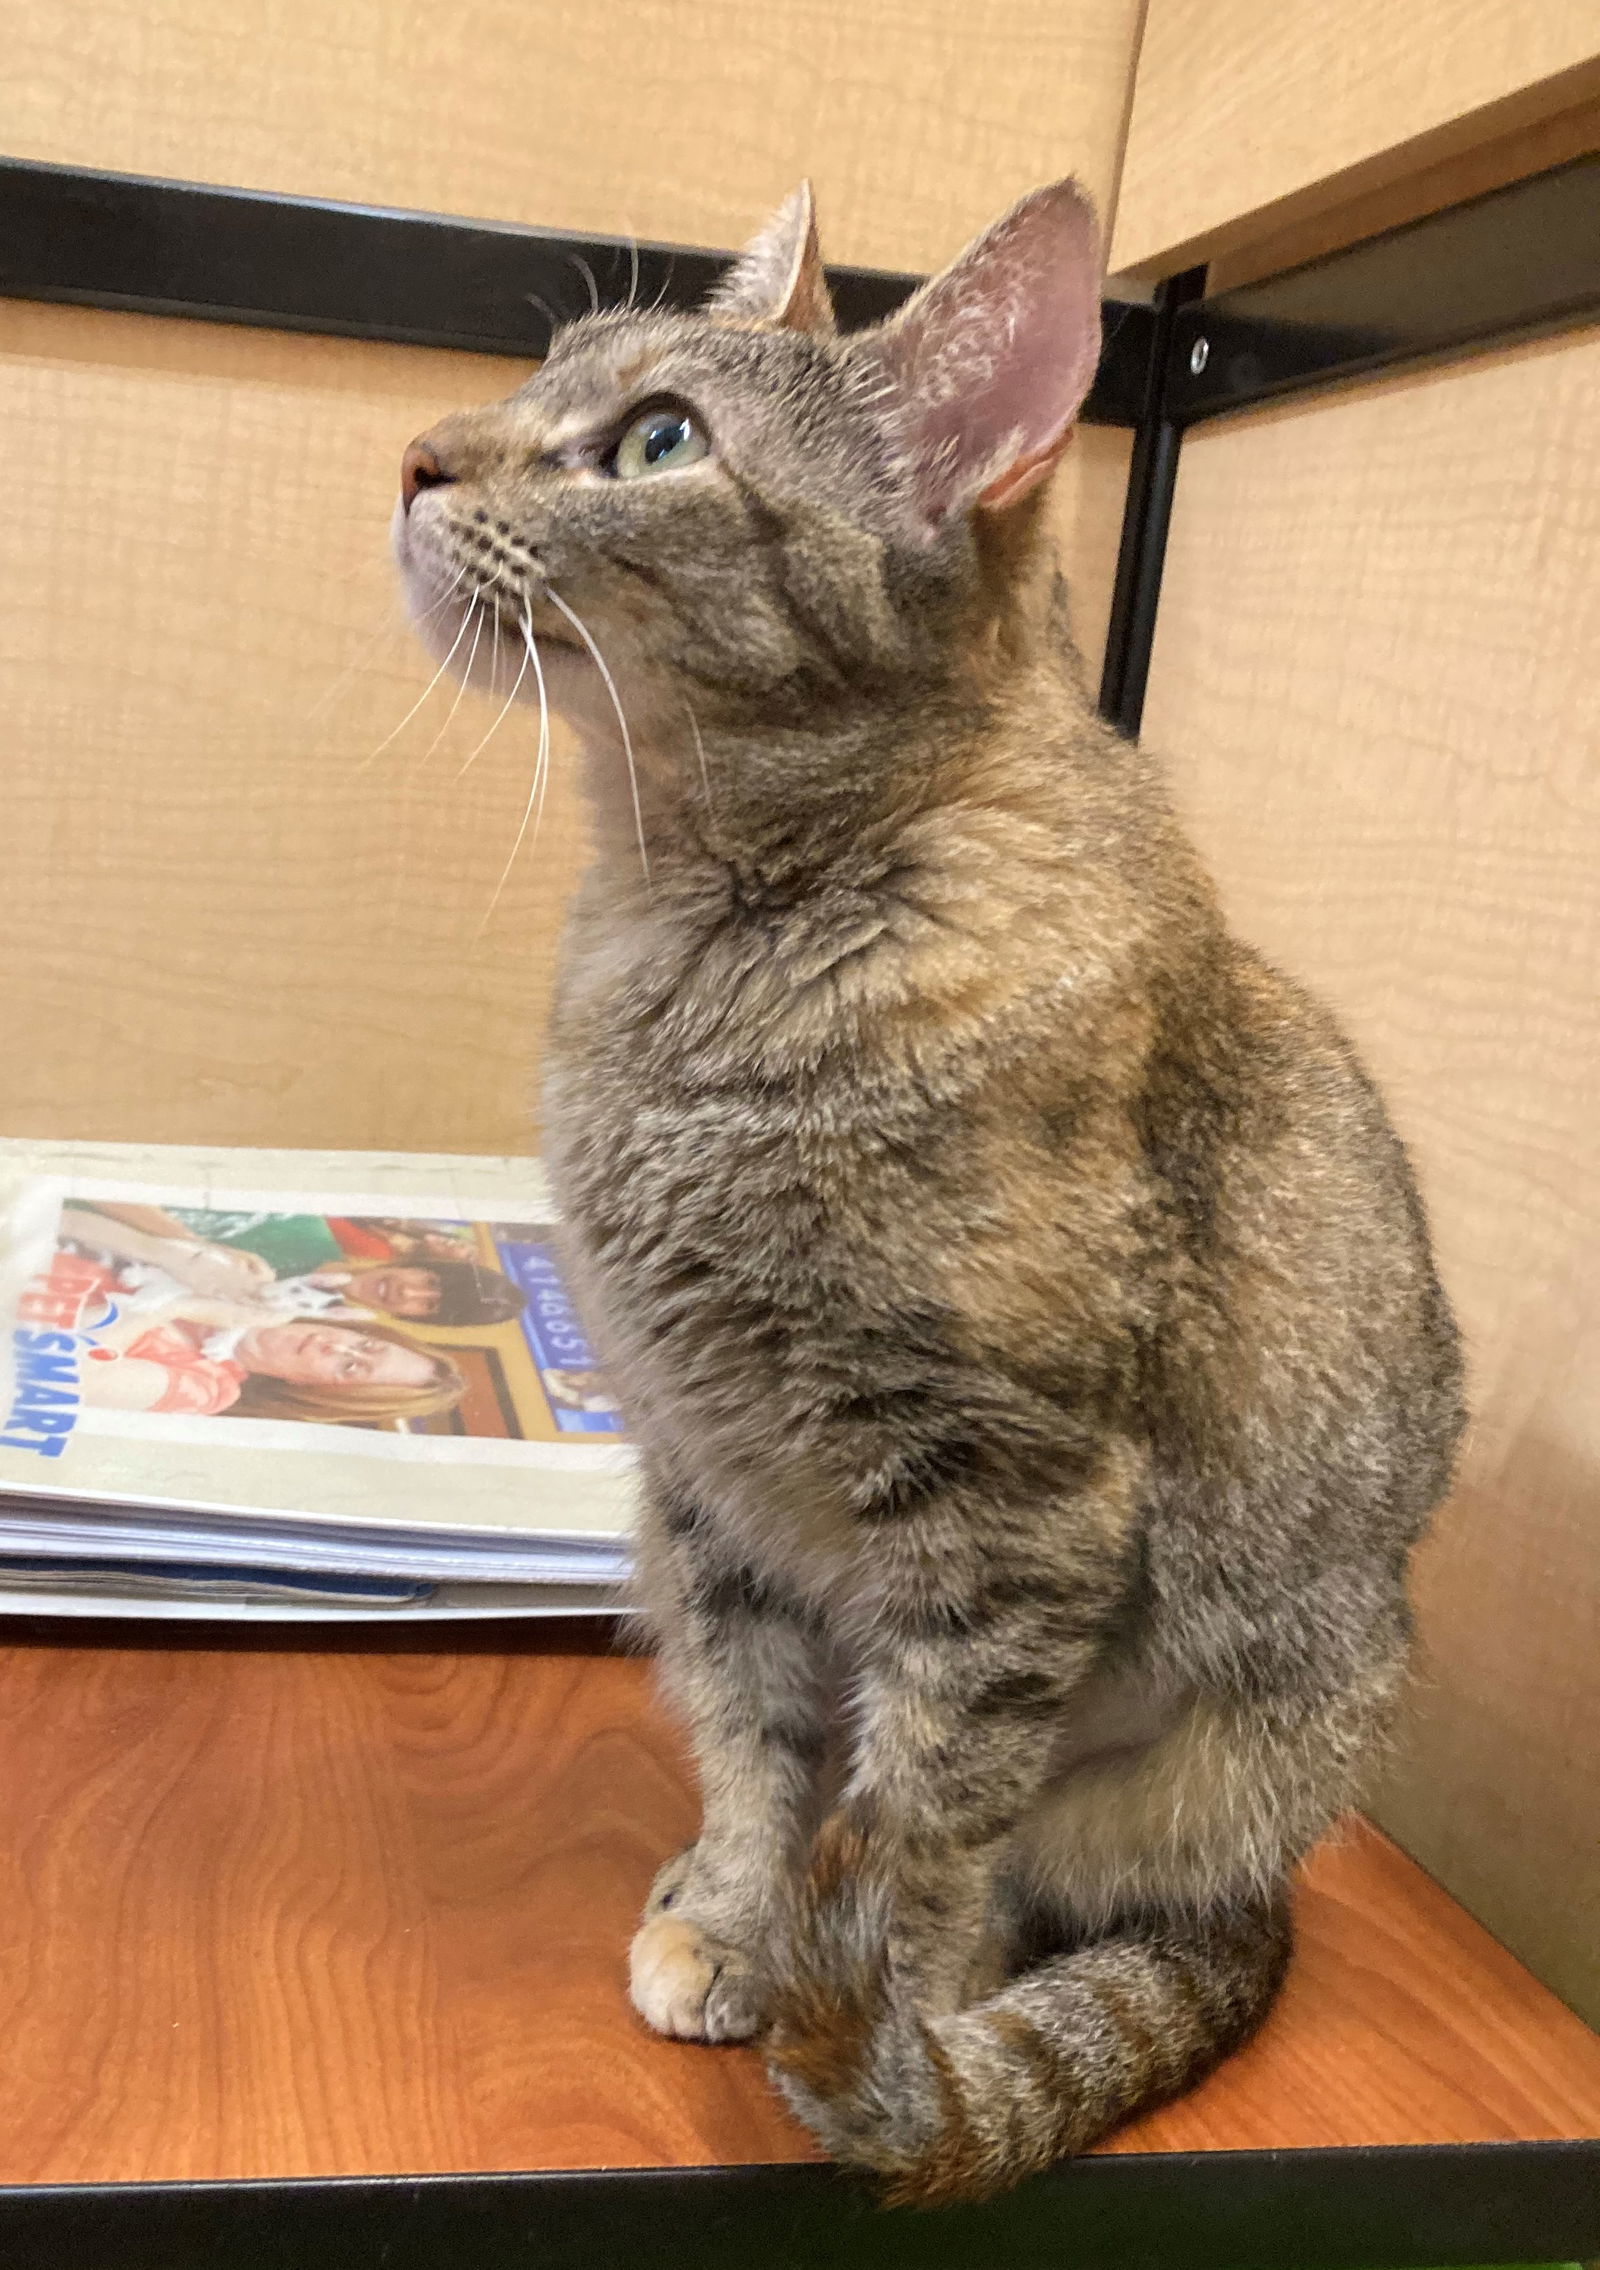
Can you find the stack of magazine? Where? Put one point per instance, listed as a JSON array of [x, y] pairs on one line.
[[296, 1384]]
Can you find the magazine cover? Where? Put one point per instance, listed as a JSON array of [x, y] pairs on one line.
[[354, 1336]]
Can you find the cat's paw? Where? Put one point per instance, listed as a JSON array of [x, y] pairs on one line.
[[692, 1986]]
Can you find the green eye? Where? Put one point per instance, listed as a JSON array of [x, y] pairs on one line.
[[663, 440]]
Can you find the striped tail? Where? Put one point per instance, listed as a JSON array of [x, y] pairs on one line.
[[961, 2107]]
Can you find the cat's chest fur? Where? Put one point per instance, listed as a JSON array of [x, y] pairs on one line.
[[795, 1229], [761, 1238]]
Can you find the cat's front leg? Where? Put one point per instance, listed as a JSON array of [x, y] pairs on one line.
[[952, 1756], [970, 1665], [742, 1661]]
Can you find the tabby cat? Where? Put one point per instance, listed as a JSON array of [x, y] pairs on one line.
[[1021, 1301]]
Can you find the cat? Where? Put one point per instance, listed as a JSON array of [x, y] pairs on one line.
[[1021, 1302]]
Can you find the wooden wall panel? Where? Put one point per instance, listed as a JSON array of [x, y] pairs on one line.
[[1085, 519], [1252, 117], [683, 119], [1377, 673], [1430, 188], [219, 920]]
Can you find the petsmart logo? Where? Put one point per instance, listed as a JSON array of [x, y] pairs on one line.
[[47, 1400]]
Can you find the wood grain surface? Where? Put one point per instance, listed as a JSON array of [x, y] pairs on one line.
[[274, 1911], [1377, 676], [1250, 116], [229, 913], [678, 119], [1088, 492]]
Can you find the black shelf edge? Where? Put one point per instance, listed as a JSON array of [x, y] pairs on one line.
[[1525, 258], [184, 248], [1371, 2208]]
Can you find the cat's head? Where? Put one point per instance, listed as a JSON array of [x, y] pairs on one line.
[[741, 508]]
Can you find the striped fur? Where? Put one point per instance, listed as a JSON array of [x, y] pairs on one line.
[[1021, 1300], [959, 2106]]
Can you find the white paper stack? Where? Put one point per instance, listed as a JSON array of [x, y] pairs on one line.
[[296, 1384]]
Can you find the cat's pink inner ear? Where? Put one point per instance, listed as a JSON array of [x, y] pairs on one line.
[[992, 360], [779, 278]]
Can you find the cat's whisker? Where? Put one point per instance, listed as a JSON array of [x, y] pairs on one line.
[[353, 670], [383, 639], [705, 776], [556, 322], [446, 595], [544, 770], [588, 275], [599, 659], [666, 285], [393, 736], [541, 768], [504, 711], [474, 608]]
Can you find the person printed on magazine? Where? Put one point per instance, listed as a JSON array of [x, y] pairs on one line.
[[294, 1263], [215, 1358], [160, 1347]]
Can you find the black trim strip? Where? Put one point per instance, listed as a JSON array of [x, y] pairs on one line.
[[1381, 2208], [370, 272], [1523, 258], [365, 271]]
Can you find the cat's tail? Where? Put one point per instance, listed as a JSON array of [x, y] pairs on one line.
[[961, 2107]]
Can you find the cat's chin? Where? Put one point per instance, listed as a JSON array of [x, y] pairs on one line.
[[430, 591]]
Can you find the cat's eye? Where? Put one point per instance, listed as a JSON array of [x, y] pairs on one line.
[[662, 440]]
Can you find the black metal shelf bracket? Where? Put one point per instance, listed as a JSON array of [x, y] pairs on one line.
[[362, 271], [1146, 513], [1516, 261]]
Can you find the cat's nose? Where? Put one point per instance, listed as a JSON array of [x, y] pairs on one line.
[[421, 468]]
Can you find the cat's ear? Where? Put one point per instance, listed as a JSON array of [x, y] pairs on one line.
[[989, 362], [778, 278]]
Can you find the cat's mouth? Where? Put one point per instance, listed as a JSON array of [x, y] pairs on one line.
[[454, 603]]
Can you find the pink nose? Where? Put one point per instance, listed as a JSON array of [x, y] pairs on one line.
[[420, 468]]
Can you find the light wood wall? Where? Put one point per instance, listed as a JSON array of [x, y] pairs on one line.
[[1306, 122], [1377, 678], [677, 119], [224, 918]]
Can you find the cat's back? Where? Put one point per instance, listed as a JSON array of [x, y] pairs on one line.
[[1309, 1328]]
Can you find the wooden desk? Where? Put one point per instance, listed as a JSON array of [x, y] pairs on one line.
[[357, 1907]]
